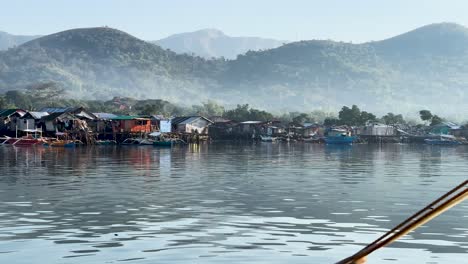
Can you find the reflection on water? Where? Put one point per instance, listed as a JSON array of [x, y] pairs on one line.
[[260, 203]]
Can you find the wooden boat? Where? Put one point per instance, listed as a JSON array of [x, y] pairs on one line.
[[267, 138], [163, 143], [106, 142], [339, 136], [22, 141], [445, 140], [137, 141], [64, 143]]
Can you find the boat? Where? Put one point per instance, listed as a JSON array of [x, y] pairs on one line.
[[63, 143], [339, 136], [106, 142], [137, 141], [28, 140], [267, 138], [312, 140], [163, 143], [445, 140]]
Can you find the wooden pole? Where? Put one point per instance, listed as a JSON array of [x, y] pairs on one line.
[[445, 202]]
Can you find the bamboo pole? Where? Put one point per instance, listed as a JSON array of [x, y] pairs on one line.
[[445, 202]]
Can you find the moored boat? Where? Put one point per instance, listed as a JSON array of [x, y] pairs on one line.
[[137, 141], [339, 136], [267, 138], [445, 140], [22, 141], [163, 143]]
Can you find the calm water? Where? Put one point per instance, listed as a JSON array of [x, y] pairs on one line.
[[260, 203]]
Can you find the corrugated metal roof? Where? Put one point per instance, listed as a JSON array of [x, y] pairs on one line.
[[60, 116], [252, 122], [9, 112], [124, 117], [105, 115], [37, 115], [51, 110], [187, 119], [190, 120]]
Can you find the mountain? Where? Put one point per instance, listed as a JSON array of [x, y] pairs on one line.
[[213, 43], [8, 41], [102, 61], [422, 69]]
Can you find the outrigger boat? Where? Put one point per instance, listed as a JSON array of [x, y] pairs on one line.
[[62, 140], [162, 140], [137, 141], [446, 140], [267, 138], [29, 140], [22, 141]]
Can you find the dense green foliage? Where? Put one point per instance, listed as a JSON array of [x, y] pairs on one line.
[[43, 95], [245, 113], [423, 68]]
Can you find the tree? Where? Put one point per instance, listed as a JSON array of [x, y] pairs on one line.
[[365, 117], [354, 117], [18, 99], [435, 120], [245, 113], [3, 103], [350, 116], [209, 108], [392, 119], [240, 113], [302, 118], [425, 115], [331, 121]]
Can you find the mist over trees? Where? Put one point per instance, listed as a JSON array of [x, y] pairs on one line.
[[413, 71], [50, 95]]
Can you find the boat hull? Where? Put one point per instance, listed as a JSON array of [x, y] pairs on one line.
[[441, 142], [162, 143], [340, 140]]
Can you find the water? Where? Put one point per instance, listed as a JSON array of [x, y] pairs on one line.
[[251, 203]]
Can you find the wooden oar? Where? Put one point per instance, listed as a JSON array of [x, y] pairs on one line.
[[445, 202]]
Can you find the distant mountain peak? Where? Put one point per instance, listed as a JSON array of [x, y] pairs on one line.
[[438, 39], [211, 42], [8, 40], [213, 32]]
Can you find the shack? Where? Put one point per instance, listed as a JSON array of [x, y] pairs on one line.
[[103, 124], [376, 130], [31, 121], [8, 119], [131, 125], [61, 122], [191, 124], [446, 128]]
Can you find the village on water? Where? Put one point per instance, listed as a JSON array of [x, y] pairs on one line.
[[73, 126]]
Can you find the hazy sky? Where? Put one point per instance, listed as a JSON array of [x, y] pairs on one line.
[[347, 20]]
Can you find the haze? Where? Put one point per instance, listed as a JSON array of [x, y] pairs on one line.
[[356, 21]]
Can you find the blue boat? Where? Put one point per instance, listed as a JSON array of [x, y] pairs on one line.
[[339, 136], [444, 140]]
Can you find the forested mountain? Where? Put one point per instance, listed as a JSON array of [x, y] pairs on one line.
[[213, 43], [9, 41], [424, 68], [103, 62]]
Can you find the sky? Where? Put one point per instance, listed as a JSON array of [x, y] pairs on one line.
[[342, 20]]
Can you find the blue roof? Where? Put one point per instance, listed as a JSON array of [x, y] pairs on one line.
[[51, 110]]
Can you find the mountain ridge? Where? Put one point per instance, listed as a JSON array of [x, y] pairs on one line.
[[8, 40], [320, 74], [213, 43]]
